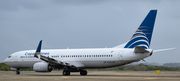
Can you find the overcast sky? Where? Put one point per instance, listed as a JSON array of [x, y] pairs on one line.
[[87, 24]]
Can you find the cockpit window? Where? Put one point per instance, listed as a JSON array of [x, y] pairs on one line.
[[9, 56]]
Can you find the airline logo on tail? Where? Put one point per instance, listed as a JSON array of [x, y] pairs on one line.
[[143, 34]]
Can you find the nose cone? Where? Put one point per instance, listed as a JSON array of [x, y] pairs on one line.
[[8, 62], [5, 61]]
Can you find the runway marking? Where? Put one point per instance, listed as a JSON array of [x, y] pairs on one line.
[[151, 78], [162, 78], [64, 77]]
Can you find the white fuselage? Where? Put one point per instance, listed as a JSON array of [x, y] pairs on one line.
[[85, 58]]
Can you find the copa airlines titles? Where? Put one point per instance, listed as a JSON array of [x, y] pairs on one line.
[[42, 53]]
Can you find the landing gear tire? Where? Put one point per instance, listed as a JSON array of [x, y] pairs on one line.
[[66, 72], [17, 72], [83, 72]]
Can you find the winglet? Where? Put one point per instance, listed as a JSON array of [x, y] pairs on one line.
[[39, 47], [38, 50]]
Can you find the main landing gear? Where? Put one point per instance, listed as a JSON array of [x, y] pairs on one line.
[[67, 72], [83, 72]]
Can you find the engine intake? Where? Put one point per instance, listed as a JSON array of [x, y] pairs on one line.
[[42, 67]]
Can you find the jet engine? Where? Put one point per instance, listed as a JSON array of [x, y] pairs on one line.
[[42, 67]]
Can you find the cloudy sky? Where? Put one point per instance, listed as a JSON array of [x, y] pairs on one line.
[[87, 24]]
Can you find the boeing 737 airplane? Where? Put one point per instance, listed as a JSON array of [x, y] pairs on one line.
[[77, 60]]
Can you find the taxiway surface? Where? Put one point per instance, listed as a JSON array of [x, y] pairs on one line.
[[93, 76]]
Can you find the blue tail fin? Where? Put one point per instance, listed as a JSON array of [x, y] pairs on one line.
[[143, 34]]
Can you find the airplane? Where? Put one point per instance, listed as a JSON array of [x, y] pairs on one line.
[[78, 60]]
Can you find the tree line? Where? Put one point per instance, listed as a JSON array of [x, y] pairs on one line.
[[140, 67]]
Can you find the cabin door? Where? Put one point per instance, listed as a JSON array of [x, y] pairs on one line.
[[61, 56], [120, 56], [15, 58]]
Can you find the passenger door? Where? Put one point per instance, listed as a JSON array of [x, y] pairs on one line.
[[15, 58], [120, 56]]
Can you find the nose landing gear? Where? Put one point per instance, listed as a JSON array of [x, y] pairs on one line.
[[17, 71]]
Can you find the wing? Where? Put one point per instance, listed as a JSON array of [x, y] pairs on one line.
[[51, 60]]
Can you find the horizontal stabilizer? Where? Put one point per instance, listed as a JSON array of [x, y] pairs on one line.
[[139, 49], [163, 49]]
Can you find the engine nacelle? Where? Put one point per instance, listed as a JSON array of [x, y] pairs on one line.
[[14, 69], [42, 67]]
